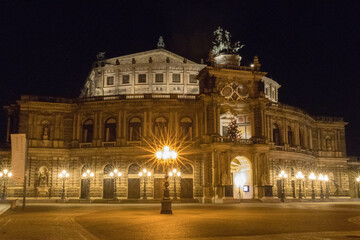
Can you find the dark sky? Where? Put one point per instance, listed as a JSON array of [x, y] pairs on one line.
[[311, 49]]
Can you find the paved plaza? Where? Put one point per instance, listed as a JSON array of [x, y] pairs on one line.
[[189, 221]]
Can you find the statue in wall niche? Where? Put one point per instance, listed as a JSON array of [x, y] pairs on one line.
[[45, 133], [225, 178], [43, 177], [264, 179]]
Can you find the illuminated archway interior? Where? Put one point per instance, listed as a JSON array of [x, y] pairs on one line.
[[242, 178]]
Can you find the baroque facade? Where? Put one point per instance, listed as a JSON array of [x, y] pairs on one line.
[[130, 99]]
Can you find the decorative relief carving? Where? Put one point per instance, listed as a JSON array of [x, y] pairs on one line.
[[234, 91]]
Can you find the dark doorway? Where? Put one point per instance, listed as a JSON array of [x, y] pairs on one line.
[[108, 188], [133, 188], [85, 188], [158, 188], [186, 188]]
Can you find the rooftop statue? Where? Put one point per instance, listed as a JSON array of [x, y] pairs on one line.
[[222, 43], [161, 43]]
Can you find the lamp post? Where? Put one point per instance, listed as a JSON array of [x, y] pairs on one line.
[[300, 176], [358, 188], [282, 176], [145, 173], [312, 177], [115, 174], [63, 176], [321, 179], [88, 175], [165, 155], [5, 174], [175, 173], [326, 179]]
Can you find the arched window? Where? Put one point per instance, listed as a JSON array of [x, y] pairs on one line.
[[186, 128], [160, 126], [301, 138], [88, 131], [187, 169], [110, 130], [134, 169], [276, 135], [290, 137], [108, 168], [328, 143], [134, 129]]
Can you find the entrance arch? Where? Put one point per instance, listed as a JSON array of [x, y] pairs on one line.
[[242, 178]]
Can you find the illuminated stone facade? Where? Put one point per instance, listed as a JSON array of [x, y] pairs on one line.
[[130, 99]]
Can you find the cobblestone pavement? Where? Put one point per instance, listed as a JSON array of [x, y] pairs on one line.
[[189, 221]]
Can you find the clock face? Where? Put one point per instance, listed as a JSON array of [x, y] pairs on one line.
[[235, 92]]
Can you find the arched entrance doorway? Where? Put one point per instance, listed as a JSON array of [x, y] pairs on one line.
[[187, 182], [134, 181], [242, 178], [108, 182]]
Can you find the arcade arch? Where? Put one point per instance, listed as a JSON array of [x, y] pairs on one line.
[[242, 178]]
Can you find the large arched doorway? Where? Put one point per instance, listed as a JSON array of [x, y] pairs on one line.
[[187, 181], [134, 181], [108, 182], [242, 178]]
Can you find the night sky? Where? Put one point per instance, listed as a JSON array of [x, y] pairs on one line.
[[312, 49]]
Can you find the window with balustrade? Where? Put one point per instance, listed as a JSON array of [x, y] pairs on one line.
[[88, 131], [134, 129], [110, 130], [276, 135], [186, 128]]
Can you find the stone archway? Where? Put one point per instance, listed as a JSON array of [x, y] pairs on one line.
[[242, 178]]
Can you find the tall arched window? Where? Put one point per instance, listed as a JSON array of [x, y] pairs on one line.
[[108, 168], [88, 131], [301, 138], [160, 126], [290, 137], [276, 135], [110, 130], [186, 128], [134, 129], [134, 169]]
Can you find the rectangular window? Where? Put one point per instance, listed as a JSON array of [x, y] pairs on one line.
[[110, 81], [126, 79], [142, 78], [159, 77], [176, 77], [193, 78]]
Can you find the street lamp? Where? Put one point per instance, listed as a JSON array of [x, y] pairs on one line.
[[321, 179], [5, 174], [300, 176], [115, 174], [165, 156], [326, 179], [282, 176], [358, 180], [145, 173], [63, 176], [312, 177], [88, 175], [175, 173]]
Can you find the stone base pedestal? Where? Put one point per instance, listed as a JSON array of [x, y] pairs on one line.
[[166, 207]]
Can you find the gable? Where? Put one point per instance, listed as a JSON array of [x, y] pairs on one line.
[[159, 55]]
